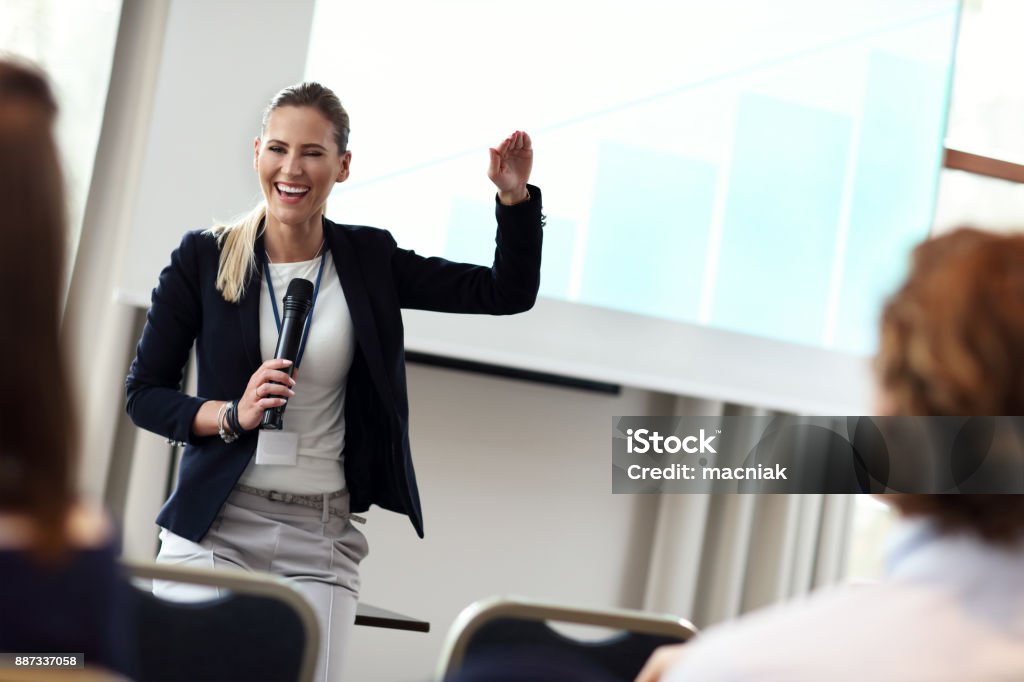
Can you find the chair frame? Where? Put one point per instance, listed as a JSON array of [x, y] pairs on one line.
[[478, 613], [242, 582]]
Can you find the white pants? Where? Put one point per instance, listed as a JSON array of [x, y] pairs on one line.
[[256, 534]]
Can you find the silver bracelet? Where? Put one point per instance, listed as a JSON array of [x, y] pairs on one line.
[[225, 435]]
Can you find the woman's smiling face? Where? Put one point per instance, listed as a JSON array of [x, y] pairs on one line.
[[298, 162]]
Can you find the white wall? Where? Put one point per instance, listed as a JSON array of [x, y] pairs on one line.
[[219, 65]]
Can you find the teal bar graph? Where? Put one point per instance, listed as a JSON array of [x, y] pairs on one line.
[[894, 189], [649, 226], [782, 209], [556, 262], [470, 239], [470, 232]]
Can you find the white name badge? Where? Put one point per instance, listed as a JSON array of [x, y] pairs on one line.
[[279, 448]]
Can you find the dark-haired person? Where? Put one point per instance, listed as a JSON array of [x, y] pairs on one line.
[[60, 588], [288, 508], [951, 604]]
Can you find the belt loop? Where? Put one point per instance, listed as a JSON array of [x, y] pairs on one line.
[[325, 515]]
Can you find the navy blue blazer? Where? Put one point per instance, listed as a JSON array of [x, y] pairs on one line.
[[379, 279]]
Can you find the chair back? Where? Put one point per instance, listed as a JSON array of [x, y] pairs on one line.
[[517, 629], [261, 628]]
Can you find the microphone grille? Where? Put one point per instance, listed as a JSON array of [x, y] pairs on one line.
[[300, 289]]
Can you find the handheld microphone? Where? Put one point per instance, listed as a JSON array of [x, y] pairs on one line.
[[297, 303]]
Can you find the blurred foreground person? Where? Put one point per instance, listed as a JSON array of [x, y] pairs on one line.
[[60, 587], [951, 603]]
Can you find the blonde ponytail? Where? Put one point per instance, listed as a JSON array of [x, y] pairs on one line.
[[237, 242]]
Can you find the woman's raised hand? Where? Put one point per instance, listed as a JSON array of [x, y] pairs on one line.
[[510, 167], [269, 386]]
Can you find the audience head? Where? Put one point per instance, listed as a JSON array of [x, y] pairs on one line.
[[952, 344], [36, 463]]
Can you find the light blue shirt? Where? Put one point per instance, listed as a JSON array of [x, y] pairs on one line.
[[951, 607]]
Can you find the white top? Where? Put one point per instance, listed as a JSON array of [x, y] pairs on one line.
[[951, 607], [317, 410]]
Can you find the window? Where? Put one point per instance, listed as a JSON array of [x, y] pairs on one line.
[[872, 521], [74, 43], [988, 97]]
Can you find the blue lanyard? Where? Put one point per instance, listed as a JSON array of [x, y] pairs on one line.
[[309, 319]]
